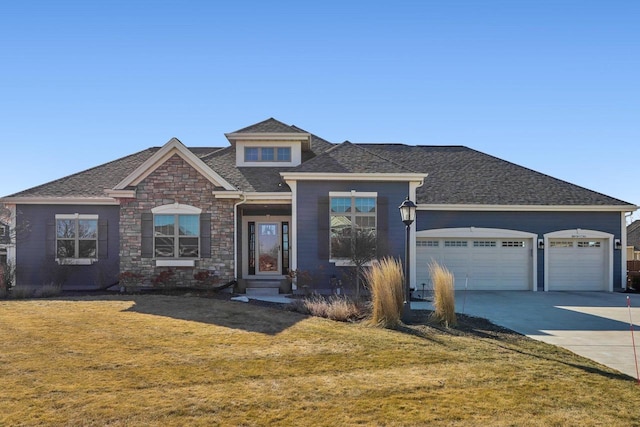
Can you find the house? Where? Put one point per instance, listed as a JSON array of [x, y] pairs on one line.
[[633, 241], [278, 199]]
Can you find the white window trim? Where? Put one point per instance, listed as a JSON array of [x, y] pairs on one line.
[[76, 261], [175, 209], [294, 146], [175, 262], [260, 154], [353, 193], [345, 262]]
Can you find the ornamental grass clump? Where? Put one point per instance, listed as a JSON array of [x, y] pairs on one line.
[[443, 295], [385, 280], [335, 307]]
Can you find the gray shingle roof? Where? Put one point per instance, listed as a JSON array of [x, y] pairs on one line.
[[270, 125], [263, 179], [351, 158], [91, 182], [460, 175], [457, 174], [318, 145]]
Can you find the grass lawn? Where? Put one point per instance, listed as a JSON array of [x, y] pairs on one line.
[[179, 360]]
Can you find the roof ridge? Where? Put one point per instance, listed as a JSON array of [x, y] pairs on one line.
[[206, 155], [298, 128], [365, 157], [269, 121], [386, 158]]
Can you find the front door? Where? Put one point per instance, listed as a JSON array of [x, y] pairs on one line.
[[268, 248]]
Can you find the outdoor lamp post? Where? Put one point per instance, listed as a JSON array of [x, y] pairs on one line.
[[408, 214]]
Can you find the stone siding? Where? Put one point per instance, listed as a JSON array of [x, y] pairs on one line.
[[176, 181]]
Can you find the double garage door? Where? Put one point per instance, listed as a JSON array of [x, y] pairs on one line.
[[573, 264], [478, 264]]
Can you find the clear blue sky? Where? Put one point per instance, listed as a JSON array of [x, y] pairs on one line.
[[550, 85]]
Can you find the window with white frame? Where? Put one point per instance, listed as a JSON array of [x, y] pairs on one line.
[[77, 236], [267, 154], [176, 235], [176, 231], [352, 223]]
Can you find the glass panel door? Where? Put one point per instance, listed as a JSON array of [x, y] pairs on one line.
[[268, 237]]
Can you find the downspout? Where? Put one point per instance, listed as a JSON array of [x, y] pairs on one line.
[[412, 248], [235, 235]]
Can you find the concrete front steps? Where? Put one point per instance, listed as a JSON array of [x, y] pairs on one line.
[[263, 287]]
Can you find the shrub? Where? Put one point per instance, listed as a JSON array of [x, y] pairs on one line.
[[443, 295], [335, 307], [164, 278], [128, 279], [50, 290], [23, 291], [30, 291], [385, 280]]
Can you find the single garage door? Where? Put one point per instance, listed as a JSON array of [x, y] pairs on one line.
[[479, 264], [577, 264]]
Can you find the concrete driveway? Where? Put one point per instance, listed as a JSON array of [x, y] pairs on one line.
[[595, 325]]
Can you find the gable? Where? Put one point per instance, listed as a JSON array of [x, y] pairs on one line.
[[270, 125], [172, 148]]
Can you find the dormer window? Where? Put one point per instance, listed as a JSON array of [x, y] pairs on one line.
[[267, 154]]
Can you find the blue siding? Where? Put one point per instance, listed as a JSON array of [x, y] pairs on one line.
[[532, 222], [308, 194], [33, 265]]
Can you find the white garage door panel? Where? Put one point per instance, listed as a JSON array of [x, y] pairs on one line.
[[577, 265], [487, 265]]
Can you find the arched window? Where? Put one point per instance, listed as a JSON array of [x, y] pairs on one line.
[[176, 231]]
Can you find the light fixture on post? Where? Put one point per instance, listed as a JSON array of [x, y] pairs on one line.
[[408, 215]]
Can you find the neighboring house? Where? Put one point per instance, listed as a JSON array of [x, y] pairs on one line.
[[279, 199], [5, 241], [633, 240]]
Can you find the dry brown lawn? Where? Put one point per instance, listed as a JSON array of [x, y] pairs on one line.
[[178, 361]]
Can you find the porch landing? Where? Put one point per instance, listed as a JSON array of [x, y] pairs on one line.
[[264, 287]]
